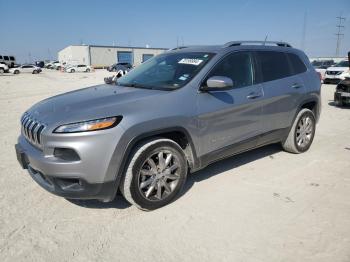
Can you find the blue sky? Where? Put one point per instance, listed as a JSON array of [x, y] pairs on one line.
[[41, 28]]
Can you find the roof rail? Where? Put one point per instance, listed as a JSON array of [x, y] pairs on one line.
[[237, 43], [177, 48]]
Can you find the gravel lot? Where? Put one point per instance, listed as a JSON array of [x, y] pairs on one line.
[[264, 205]]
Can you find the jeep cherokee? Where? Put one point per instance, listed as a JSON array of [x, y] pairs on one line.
[[174, 114]]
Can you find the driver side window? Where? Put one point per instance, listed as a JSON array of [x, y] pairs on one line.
[[238, 67]]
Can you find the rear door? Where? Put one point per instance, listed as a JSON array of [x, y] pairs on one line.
[[230, 117], [282, 89]]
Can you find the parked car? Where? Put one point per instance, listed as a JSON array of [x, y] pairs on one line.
[[342, 93], [336, 73], [78, 68], [26, 69], [40, 64], [119, 66], [113, 79], [321, 66], [10, 61], [178, 112], [3, 68]]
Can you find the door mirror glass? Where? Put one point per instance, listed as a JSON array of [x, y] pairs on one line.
[[218, 83]]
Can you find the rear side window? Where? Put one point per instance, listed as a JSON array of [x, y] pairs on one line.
[[6, 58], [238, 67], [273, 65], [0, 56], [297, 65], [12, 58]]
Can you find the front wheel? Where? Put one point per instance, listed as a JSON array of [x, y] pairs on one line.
[[155, 175], [72, 71], [87, 70], [2, 71], [16, 72], [302, 133]]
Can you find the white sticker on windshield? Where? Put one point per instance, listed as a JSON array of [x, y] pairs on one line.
[[190, 61]]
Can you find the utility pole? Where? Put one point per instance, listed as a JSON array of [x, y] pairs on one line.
[[304, 33], [339, 34]]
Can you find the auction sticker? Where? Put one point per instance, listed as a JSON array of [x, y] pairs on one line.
[[190, 61]]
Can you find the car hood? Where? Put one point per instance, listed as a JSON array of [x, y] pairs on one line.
[[90, 103], [338, 69]]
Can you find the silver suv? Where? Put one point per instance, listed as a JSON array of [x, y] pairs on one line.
[[174, 114]]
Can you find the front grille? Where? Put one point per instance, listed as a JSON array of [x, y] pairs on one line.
[[333, 72], [32, 130]]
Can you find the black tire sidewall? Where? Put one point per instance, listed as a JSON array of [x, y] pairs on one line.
[[312, 116], [134, 190]]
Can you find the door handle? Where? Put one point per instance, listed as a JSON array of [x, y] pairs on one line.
[[253, 95], [296, 85]]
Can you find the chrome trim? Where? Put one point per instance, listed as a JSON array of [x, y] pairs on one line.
[[30, 128]]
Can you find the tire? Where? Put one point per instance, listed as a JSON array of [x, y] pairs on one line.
[[16, 72], [35, 72], [158, 177], [72, 71], [2, 71], [87, 70], [299, 144]]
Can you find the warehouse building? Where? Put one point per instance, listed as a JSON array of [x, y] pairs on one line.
[[102, 56]]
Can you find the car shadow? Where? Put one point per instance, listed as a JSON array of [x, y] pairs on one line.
[[212, 170], [119, 203], [230, 163], [332, 103]]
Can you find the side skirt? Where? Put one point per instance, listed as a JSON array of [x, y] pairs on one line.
[[240, 147]]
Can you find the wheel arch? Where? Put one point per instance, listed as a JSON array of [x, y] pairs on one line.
[[175, 133]]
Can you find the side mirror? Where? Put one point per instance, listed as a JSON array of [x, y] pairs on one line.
[[218, 83]]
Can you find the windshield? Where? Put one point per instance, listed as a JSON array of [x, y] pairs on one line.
[[342, 64], [166, 71], [316, 63]]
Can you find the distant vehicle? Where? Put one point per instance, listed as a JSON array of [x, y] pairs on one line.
[[112, 80], [8, 60], [26, 69], [78, 68], [40, 64], [321, 66], [342, 93], [53, 65], [3, 68], [119, 66], [336, 73]]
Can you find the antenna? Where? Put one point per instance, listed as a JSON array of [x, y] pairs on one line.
[[339, 34]]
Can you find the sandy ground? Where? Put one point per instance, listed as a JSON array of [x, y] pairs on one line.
[[264, 205]]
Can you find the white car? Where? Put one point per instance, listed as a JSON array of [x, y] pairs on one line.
[[26, 69], [78, 68], [336, 73], [3, 68]]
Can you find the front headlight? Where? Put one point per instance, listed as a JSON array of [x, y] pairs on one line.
[[91, 125]]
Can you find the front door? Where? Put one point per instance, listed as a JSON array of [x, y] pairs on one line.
[[232, 118]]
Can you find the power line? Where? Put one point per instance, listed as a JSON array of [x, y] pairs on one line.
[[339, 34]]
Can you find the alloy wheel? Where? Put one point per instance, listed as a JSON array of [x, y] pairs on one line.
[[158, 176], [304, 131]]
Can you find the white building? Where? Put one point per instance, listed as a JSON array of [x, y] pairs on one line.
[[102, 56]]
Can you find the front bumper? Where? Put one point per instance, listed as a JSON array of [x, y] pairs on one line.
[[72, 187], [339, 97], [92, 176]]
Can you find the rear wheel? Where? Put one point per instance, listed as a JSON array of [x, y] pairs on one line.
[[87, 70], [2, 71], [35, 72], [16, 72], [302, 133], [72, 70], [155, 175]]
